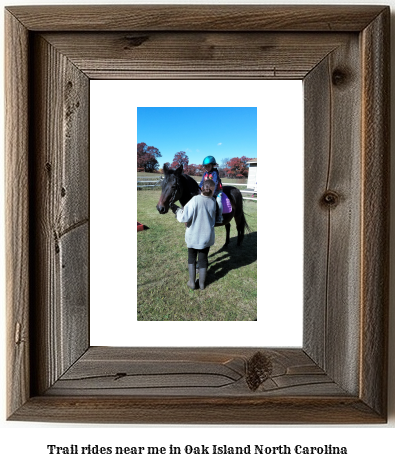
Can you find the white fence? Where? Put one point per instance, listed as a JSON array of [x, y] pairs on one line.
[[145, 182], [149, 182], [248, 191]]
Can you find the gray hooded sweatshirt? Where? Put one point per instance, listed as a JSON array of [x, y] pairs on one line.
[[200, 214]]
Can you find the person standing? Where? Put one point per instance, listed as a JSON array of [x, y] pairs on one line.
[[199, 215]]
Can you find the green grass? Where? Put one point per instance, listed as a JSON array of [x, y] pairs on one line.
[[162, 270]]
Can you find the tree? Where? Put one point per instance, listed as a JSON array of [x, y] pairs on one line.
[[237, 167], [222, 168], [147, 158], [180, 158], [221, 172], [194, 170]]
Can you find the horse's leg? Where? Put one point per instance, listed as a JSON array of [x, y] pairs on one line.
[[227, 226], [236, 199], [240, 229]]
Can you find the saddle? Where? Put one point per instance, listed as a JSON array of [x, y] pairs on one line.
[[226, 205]]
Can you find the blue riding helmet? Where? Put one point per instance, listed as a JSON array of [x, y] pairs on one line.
[[209, 160]]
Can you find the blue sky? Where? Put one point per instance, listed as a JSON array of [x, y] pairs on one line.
[[222, 132]]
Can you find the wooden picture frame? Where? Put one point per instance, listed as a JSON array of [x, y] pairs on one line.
[[340, 374]]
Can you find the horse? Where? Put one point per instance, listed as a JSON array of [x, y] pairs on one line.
[[177, 186]]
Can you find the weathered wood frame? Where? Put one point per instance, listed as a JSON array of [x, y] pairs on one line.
[[342, 55]]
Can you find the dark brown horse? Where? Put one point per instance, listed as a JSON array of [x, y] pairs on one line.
[[176, 186]]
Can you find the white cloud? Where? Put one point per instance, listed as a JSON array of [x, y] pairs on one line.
[[220, 143]]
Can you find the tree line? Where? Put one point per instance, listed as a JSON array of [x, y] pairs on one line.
[[147, 161]]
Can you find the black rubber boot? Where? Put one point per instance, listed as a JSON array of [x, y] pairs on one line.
[[192, 276], [202, 277]]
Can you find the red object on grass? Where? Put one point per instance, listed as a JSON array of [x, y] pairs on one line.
[[140, 226]]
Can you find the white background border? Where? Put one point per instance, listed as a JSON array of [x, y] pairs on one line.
[[113, 212]]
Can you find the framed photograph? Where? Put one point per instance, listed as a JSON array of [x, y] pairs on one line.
[[339, 374]]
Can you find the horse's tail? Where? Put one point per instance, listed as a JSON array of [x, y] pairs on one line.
[[239, 211]]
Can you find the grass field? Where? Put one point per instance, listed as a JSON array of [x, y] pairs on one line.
[[162, 267]]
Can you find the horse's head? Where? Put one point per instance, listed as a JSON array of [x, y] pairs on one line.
[[171, 189]]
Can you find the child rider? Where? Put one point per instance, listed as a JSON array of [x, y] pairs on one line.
[[212, 174]]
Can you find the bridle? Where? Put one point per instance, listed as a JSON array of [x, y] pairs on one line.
[[173, 196]]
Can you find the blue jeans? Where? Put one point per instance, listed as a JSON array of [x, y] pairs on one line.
[[218, 196]]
